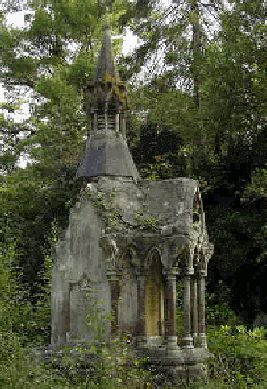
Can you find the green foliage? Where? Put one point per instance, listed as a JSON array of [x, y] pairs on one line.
[[257, 188], [55, 57], [218, 308], [105, 204], [239, 353], [106, 363], [52, 58], [144, 222], [115, 363], [101, 200], [238, 232], [240, 356], [20, 324]]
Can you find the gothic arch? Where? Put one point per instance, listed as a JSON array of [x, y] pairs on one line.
[[196, 257], [197, 202], [112, 103], [202, 262], [133, 257], [154, 295], [127, 312], [149, 257], [178, 262], [187, 258], [100, 105], [197, 210]]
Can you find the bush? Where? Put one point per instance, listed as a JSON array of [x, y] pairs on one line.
[[240, 355], [107, 365]]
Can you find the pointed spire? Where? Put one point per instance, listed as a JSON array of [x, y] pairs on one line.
[[107, 153], [106, 66]]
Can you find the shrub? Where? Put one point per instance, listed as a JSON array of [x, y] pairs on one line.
[[240, 355]]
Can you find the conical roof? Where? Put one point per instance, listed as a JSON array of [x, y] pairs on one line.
[[107, 155]]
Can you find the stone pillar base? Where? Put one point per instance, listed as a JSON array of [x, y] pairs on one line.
[[186, 375], [171, 343], [141, 342], [178, 374], [175, 376], [187, 342], [196, 372]]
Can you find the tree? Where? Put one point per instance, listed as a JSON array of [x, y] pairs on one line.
[[231, 101], [200, 114]]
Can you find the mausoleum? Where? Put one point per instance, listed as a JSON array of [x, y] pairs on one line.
[[129, 242]]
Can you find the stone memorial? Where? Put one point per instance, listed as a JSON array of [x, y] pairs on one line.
[[128, 243]]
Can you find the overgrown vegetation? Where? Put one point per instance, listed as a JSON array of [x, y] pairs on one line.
[[202, 115], [240, 355]]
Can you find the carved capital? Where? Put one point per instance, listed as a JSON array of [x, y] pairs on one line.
[[188, 271], [112, 275], [171, 272], [203, 273]]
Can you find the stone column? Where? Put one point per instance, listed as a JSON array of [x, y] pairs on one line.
[[140, 329], [67, 315], [106, 119], [124, 119], [117, 123], [95, 121], [187, 340], [170, 304], [194, 308], [114, 291], [201, 309]]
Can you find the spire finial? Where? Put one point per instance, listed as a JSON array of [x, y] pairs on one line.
[[106, 67], [107, 4], [107, 153], [106, 17]]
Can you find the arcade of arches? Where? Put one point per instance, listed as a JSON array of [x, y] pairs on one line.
[[156, 304]]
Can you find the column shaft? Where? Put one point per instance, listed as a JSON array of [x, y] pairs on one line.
[[113, 281], [195, 311], [170, 304], [194, 307], [64, 319], [140, 329], [114, 287], [201, 311], [187, 340], [95, 121]]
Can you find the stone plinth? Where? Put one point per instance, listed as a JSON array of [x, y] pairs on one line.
[[177, 366]]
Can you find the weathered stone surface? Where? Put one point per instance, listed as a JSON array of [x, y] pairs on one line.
[[80, 255], [127, 242]]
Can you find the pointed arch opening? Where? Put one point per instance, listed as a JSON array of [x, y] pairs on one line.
[[154, 297], [127, 312], [197, 208]]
